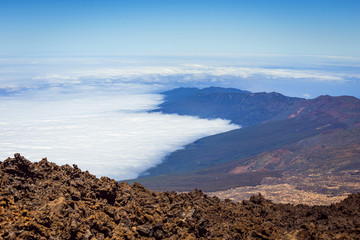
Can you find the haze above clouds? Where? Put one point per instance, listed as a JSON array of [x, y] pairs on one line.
[[286, 74]]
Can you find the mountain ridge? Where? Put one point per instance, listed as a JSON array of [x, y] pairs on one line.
[[252, 150], [241, 107]]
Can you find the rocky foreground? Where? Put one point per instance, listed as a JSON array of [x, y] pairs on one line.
[[46, 201]]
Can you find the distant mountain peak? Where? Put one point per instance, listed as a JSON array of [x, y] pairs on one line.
[[344, 109], [241, 107]]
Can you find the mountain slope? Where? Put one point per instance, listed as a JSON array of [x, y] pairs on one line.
[[317, 135], [345, 109], [330, 152], [239, 143]]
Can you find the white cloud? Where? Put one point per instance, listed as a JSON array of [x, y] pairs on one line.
[[306, 95], [194, 72], [112, 71], [107, 135]]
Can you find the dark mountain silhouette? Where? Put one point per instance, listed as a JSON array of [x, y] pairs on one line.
[[319, 135], [42, 200], [241, 107]]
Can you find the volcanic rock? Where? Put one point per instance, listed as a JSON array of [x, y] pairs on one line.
[[42, 200]]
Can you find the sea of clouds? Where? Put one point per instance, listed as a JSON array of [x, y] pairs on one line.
[[109, 135], [93, 111]]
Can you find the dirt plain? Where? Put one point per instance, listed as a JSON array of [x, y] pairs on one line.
[[314, 189]]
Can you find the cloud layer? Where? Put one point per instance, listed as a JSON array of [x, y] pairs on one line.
[[107, 135], [289, 75], [196, 71]]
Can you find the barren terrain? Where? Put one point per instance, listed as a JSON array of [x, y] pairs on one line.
[[46, 201], [298, 189]]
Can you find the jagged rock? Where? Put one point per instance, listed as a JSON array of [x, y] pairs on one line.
[[46, 201]]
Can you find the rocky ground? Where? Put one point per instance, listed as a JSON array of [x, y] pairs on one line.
[[46, 201], [316, 189]]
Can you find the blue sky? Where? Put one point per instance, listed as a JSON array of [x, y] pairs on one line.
[[174, 27]]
